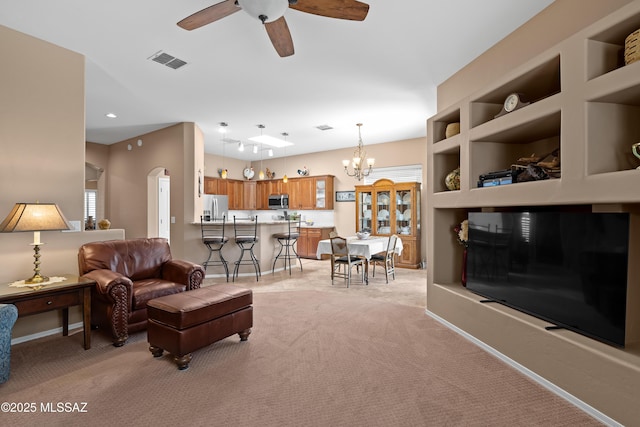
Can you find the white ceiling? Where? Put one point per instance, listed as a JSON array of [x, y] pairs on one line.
[[381, 72]]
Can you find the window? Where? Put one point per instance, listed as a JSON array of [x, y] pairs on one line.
[[411, 173], [90, 201]]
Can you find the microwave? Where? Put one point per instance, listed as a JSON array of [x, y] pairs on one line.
[[279, 201]]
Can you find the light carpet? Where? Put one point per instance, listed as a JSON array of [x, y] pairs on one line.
[[330, 357]]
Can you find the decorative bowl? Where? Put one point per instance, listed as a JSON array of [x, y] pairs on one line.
[[363, 235]]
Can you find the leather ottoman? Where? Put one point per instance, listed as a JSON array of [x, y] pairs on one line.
[[187, 321]]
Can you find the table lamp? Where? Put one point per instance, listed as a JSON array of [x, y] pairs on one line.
[[35, 217]]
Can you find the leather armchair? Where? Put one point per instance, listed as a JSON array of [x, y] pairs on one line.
[[128, 274]]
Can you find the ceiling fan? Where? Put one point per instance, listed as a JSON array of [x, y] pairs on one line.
[[271, 14]]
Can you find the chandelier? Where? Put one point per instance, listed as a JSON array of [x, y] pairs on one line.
[[359, 159]]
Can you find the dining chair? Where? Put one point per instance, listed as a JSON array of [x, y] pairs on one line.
[[340, 257], [214, 239], [386, 259]]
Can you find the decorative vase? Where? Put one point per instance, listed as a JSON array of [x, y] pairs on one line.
[[104, 224], [452, 129], [463, 277], [452, 180]]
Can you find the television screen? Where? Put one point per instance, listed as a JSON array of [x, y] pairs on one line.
[[568, 268]]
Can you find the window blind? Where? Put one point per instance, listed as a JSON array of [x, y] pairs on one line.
[[410, 173], [90, 200]]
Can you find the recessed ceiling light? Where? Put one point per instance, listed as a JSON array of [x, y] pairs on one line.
[[111, 115], [324, 127], [270, 140]]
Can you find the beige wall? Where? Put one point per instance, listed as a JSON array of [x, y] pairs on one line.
[[41, 124], [558, 21], [43, 157]]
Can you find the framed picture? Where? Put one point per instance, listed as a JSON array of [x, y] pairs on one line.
[[345, 196]]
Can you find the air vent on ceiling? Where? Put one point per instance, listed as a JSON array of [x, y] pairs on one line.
[[165, 59], [324, 127]]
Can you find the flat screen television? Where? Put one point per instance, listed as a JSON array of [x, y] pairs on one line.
[[568, 268]]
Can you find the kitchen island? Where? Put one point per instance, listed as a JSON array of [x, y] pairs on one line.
[[265, 249]]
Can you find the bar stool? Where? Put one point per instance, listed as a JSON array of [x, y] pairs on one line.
[[214, 239], [287, 241], [246, 234]]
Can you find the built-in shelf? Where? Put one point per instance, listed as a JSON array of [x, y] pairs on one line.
[[586, 102]]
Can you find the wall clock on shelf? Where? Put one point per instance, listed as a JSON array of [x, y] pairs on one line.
[[511, 103]]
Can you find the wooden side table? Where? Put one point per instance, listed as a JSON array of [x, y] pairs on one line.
[[62, 295]]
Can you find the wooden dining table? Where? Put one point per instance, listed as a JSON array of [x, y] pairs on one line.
[[361, 247]]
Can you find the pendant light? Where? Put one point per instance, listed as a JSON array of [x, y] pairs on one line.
[[223, 131], [285, 178], [261, 173]]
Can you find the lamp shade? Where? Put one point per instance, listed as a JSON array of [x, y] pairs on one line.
[[34, 217]]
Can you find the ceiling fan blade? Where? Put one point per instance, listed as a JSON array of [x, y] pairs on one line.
[[209, 15], [340, 9], [280, 36]]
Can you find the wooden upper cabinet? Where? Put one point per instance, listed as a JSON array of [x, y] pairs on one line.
[[235, 192], [314, 192], [249, 192], [305, 193], [262, 194], [211, 185], [323, 191]]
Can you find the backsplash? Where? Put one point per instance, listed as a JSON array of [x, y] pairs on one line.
[[320, 218]]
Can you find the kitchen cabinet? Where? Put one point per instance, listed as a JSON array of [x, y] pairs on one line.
[[305, 193], [235, 192], [265, 188], [307, 245], [232, 188], [211, 185], [385, 208], [249, 192]]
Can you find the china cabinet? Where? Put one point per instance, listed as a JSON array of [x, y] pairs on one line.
[[385, 208]]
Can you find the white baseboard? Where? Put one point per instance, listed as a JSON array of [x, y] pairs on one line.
[[42, 334], [529, 373]]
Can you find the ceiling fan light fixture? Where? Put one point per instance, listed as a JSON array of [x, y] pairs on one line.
[[265, 10]]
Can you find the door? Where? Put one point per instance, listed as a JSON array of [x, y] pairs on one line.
[[164, 220]]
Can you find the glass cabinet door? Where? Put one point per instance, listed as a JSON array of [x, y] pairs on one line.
[[321, 195], [403, 212], [365, 208], [383, 207]]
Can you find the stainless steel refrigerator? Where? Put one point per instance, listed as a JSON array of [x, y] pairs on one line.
[[215, 206]]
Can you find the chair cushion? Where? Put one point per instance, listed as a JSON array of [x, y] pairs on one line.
[[147, 289], [289, 236], [215, 239], [344, 259], [378, 257], [246, 239]]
